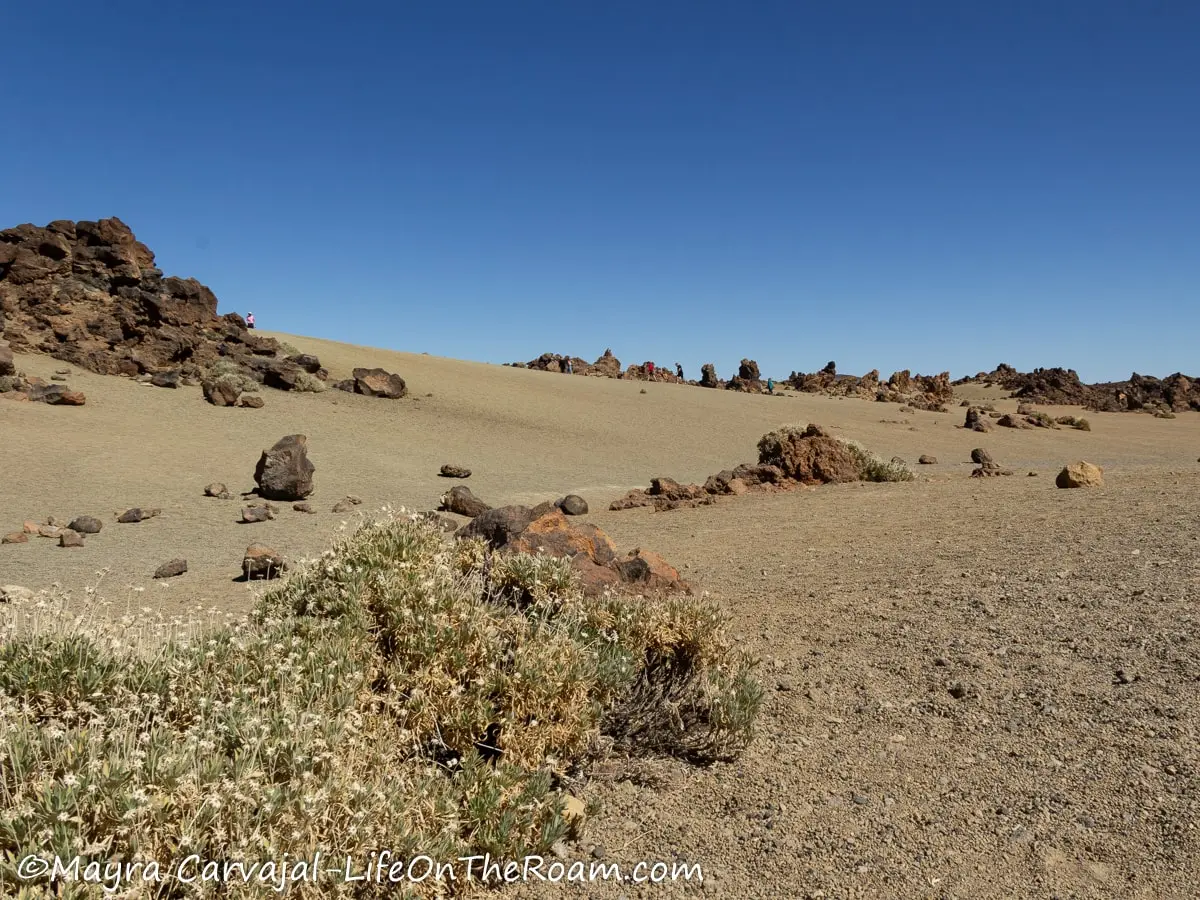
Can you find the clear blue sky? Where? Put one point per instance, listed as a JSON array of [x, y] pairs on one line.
[[930, 185]]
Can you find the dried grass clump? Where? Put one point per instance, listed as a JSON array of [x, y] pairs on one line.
[[1076, 422], [308, 383], [398, 692], [874, 468], [227, 371]]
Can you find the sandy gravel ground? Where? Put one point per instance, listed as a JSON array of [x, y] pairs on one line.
[[976, 688]]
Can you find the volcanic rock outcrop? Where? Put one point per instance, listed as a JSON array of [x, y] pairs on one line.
[[90, 293]]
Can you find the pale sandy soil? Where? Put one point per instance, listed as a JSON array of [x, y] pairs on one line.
[[866, 602]]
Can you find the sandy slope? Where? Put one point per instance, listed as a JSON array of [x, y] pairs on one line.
[[866, 601]]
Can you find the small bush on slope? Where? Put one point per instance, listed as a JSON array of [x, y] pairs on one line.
[[357, 709]]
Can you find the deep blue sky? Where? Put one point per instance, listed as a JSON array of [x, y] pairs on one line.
[[930, 185]]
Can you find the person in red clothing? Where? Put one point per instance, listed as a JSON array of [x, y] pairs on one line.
[[650, 370]]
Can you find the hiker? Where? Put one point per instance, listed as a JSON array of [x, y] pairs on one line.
[[679, 371], [650, 371], [770, 386], [570, 368], [249, 320]]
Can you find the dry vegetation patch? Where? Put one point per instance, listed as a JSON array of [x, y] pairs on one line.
[[399, 691]]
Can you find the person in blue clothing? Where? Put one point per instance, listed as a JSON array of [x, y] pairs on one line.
[[770, 385]]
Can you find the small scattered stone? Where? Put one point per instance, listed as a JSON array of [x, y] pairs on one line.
[[17, 537], [958, 690], [251, 514], [10, 593], [137, 514], [573, 505], [452, 471], [304, 507], [62, 371], [30, 527], [927, 460], [69, 538], [250, 401], [58, 377], [216, 489], [785, 684], [346, 504], [49, 531], [86, 525], [1123, 677], [598, 851], [860, 800], [171, 569]]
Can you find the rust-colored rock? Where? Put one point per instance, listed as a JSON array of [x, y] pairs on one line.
[[379, 383], [16, 537], [261, 561], [553, 534]]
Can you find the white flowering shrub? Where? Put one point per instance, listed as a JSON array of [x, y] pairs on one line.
[[399, 692]]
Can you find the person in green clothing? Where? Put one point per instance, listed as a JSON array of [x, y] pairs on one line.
[[770, 385]]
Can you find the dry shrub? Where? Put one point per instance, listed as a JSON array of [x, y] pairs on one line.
[[308, 383], [228, 372], [400, 691]]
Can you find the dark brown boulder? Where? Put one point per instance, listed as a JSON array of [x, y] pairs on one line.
[[218, 490], [708, 376], [981, 456], [452, 471], [927, 460], [250, 401], [573, 505], [220, 391], [262, 562], [285, 472], [8, 365], [379, 383], [498, 526], [166, 379], [460, 500], [172, 569], [86, 525], [975, 420], [307, 362]]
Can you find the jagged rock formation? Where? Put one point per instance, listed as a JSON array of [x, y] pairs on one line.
[[1058, 386], [929, 392], [90, 294]]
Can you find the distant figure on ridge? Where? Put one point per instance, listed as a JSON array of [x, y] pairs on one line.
[[249, 320], [650, 371], [570, 369], [679, 371], [770, 385]]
